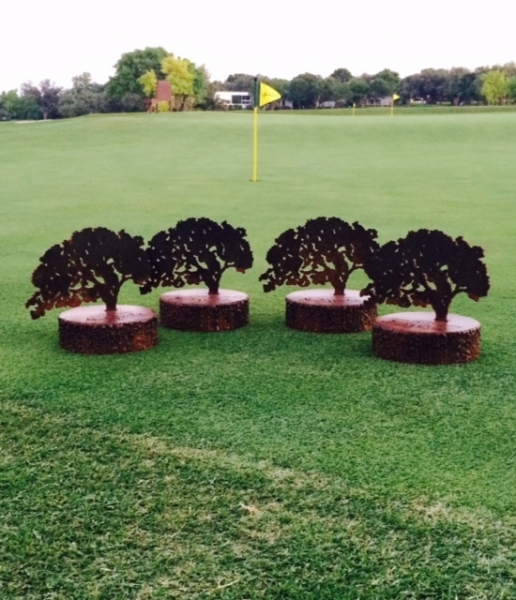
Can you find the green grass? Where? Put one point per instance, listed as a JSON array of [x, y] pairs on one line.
[[264, 462], [400, 109]]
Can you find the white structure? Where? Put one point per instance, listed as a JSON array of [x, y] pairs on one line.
[[235, 99], [383, 101], [327, 104]]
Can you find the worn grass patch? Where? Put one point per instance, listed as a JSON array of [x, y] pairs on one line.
[[106, 514]]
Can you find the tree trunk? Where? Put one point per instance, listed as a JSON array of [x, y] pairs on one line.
[[111, 304], [110, 299], [441, 311], [212, 282]]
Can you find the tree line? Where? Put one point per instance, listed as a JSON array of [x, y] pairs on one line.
[[137, 73]]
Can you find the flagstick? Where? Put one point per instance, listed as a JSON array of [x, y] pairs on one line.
[[263, 94], [255, 144], [392, 107], [256, 103]]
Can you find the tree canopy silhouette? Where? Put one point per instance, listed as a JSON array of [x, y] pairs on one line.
[[195, 251], [427, 267], [324, 250], [92, 265]]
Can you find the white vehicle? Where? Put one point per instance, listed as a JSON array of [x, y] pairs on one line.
[[235, 99]]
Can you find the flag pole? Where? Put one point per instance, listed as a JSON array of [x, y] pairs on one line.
[[255, 130], [394, 97], [263, 94]]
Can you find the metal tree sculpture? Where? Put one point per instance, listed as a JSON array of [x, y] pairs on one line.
[[427, 267], [195, 251], [92, 265], [324, 250]]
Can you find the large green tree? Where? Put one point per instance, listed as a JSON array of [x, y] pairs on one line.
[[18, 108], [429, 84], [85, 97], [180, 74], [357, 90], [239, 82], [305, 90], [329, 89], [342, 75], [46, 96], [494, 86], [149, 83], [130, 67], [462, 86], [201, 89], [511, 89], [384, 83]]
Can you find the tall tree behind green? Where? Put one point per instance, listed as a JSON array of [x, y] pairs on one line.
[[15, 107], [305, 90], [511, 89], [357, 90], [462, 86], [384, 83], [494, 86], [46, 96], [149, 82], [130, 67], [179, 72], [342, 75], [200, 83], [239, 82], [85, 97]]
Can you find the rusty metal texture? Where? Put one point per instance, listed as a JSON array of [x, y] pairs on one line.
[[427, 267], [323, 250], [321, 311], [198, 310], [93, 264], [92, 330], [196, 251], [417, 338]]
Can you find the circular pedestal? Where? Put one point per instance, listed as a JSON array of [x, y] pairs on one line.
[[94, 330], [320, 311], [418, 338], [197, 310]]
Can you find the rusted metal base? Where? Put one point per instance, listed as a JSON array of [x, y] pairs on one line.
[[93, 330], [419, 339], [197, 310], [320, 311]]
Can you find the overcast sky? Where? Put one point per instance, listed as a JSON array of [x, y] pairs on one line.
[[58, 39]]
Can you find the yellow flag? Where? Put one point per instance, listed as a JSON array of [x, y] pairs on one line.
[[395, 97], [267, 94]]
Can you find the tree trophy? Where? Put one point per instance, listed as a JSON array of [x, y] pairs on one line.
[[427, 268], [199, 251], [91, 266], [323, 251]]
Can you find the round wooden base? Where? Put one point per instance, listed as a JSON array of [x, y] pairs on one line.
[[197, 310], [94, 330], [419, 339], [320, 311]]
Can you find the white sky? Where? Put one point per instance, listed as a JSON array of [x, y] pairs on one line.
[[58, 39]]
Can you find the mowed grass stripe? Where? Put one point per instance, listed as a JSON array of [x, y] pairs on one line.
[[120, 515]]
